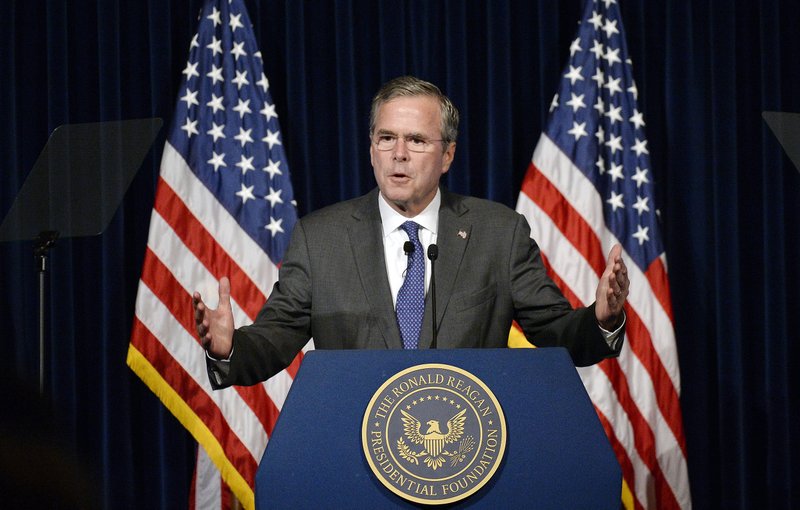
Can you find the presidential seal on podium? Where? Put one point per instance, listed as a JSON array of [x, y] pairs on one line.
[[433, 434]]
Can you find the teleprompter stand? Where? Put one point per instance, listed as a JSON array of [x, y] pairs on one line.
[[74, 189], [786, 128]]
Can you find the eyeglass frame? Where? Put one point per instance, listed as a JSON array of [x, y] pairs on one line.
[[406, 138]]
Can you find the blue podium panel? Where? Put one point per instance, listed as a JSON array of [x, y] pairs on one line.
[[557, 455]]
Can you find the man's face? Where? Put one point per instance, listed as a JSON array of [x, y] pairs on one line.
[[408, 180]]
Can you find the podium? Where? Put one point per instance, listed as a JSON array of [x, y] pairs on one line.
[[557, 454]]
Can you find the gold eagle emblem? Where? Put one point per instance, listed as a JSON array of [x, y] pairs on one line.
[[433, 440]]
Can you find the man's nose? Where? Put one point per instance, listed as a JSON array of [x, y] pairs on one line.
[[400, 149]]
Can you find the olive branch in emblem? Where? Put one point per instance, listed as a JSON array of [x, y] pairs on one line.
[[407, 453], [466, 446]]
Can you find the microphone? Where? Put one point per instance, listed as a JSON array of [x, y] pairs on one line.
[[408, 248], [433, 254]]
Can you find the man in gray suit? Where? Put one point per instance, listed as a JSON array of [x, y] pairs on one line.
[[345, 278]]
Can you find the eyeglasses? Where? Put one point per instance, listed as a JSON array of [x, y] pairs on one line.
[[414, 143]]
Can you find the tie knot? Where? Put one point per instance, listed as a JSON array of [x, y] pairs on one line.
[[411, 229]]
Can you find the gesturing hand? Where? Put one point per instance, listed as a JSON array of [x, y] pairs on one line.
[[215, 327], [612, 291]]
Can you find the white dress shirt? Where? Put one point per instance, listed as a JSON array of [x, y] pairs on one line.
[[394, 237]]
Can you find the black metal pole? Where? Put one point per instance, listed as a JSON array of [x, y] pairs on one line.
[[45, 241]]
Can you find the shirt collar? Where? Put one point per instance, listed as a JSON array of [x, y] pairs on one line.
[[428, 218]]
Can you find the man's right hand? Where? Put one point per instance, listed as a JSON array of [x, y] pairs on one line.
[[215, 327]]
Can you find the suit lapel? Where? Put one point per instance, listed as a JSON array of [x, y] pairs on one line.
[[366, 242], [452, 238]]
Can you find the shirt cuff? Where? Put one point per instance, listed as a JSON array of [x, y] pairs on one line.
[[218, 369], [228, 359], [613, 337]]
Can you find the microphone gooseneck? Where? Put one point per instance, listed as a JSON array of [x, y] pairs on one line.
[[433, 254]]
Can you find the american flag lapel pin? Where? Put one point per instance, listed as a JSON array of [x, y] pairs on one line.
[[462, 234]]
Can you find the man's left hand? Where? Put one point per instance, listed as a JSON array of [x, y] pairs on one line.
[[612, 291]]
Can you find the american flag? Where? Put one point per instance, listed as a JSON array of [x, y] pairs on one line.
[[590, 185], [224, 206]]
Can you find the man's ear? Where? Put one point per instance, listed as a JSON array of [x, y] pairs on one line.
[[447, 158]]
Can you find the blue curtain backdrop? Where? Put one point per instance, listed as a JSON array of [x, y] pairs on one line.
[[729, 198]]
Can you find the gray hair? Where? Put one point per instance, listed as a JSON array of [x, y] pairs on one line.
[[409, 86]]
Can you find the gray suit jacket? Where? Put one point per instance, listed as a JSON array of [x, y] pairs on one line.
[[333, 287]]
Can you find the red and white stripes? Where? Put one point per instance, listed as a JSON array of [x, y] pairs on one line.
[[636, 395], [194, 241]]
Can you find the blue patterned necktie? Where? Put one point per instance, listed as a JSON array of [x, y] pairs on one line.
[[411, 297]]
